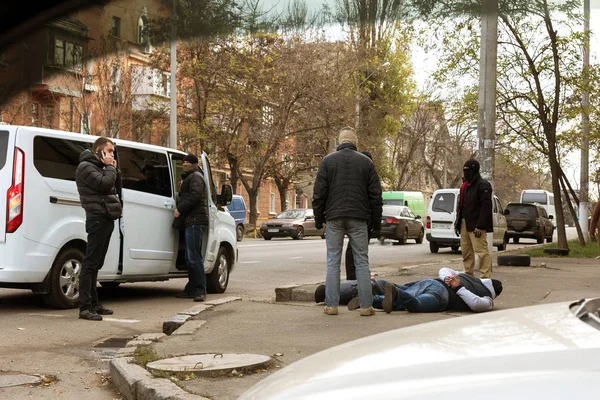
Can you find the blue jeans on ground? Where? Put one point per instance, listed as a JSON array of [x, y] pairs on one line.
[[357, 232], [195, 265], [426, 295]]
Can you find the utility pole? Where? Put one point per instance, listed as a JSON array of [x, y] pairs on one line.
[[173, 91], [486, 117], [585, 125]]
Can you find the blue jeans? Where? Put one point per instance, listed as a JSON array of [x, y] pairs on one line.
[[426, 295], [195, 265], [356, 229]]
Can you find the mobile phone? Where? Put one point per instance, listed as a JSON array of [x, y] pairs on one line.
[[100, 154]]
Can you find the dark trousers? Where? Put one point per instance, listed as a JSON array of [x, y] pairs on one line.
[[195, 265], [350, 267], [98, 231]]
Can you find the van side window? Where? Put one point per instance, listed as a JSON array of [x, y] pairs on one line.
[[57, 158], [144, 171]]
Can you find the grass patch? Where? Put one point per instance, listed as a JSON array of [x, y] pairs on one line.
[[144, 355], [591, 250]]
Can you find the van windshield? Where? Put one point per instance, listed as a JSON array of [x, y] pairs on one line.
[[443, 202], [3, 148], [540, 198]]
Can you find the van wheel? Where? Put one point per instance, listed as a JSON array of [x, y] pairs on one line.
[[516, 240], [433, 247], [217, 280], [549, 238], [420, 238], [454, 248], [240, 233], [63, 289], [502, 247]]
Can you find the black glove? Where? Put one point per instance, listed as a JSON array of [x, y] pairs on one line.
[[478, 232], [457, 230], [319, 225], [375, 232]]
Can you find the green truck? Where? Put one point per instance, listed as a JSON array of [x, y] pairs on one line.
[[413, 200]]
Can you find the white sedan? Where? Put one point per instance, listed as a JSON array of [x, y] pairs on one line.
[[549, 351]]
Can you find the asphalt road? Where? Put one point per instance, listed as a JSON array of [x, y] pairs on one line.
[[38, 340]]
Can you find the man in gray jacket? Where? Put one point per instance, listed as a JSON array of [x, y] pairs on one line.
[[96, 177]]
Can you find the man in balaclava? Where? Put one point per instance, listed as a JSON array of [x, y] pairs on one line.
[[474, 219]]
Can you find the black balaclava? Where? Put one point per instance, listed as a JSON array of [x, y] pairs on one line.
[[471, 170]]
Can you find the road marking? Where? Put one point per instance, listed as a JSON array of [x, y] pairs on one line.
[[46, 315], [295, 258], [125, 321], [250, 262]]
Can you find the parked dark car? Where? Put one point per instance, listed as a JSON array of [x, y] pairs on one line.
[[296, 223], [528, 221], [237, 209], [399, 223]]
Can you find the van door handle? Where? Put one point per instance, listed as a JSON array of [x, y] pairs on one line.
[[170, 204]]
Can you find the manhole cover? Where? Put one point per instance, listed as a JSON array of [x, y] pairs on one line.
[[18, 379], [209, 363]]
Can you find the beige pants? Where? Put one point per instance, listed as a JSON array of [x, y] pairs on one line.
[[471, 245]]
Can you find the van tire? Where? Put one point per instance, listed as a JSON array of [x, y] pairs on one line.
[[433, 247], [454, 248], [218, 279], [502, 247], [55, 298], [239, 231], [515, 260]]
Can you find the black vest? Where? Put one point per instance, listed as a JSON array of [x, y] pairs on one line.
[[472, 284]]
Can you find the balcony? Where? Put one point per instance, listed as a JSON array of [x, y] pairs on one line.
[[149, 88]]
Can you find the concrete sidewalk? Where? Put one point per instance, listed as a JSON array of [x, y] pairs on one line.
[[290, 330]]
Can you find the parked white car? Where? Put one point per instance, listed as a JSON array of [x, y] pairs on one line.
[[42, 234], [549, 352]]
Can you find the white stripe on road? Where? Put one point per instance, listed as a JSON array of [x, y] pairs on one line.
[[249, 262], [296, 258], [125, 321], [46, 315]]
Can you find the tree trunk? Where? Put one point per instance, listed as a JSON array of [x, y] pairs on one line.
[[555, 169], [572, 211], [233, 168]]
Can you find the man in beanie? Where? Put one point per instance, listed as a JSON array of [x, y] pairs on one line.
[[192, 207], [347, 195], [474, 219]]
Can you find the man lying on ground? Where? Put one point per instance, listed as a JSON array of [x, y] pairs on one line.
[[452, 290]]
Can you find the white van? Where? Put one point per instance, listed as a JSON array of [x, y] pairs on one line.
[[43, 238], [542, 197], [441, 216]]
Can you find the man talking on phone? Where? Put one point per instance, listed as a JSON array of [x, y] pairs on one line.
[[96, 177]]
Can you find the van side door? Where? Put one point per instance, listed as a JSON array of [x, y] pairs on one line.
[[148, 204], [210, 242]]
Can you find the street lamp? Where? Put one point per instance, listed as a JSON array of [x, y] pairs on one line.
[[357, 108]]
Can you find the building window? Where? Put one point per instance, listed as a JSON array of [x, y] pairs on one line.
[[272, 203], [85, 123], [142, 34], [68, 54], [35, 114], [115, 29]]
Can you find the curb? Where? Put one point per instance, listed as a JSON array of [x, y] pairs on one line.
[[135, 382]]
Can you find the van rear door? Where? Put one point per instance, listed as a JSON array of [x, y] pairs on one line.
[[7, 139]]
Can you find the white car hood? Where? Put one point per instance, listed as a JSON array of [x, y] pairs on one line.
[[523, 353]]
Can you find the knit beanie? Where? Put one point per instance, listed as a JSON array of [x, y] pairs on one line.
[[192, 159], [348, 135]]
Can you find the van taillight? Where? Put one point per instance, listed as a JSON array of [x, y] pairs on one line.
[[428, 226], [14, 196]]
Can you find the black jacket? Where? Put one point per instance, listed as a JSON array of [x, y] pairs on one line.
[[193, 203], [476, 206], [96, 184], [347, 186]]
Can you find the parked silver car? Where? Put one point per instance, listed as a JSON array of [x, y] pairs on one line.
[[295, 223]]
